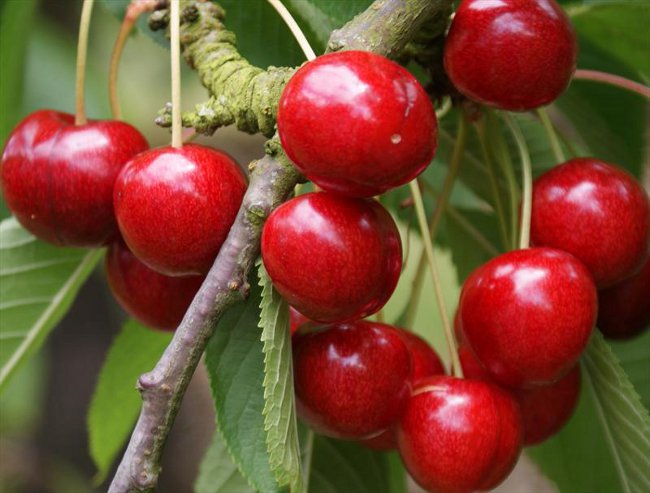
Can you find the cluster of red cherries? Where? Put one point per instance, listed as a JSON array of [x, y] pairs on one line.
[[358, 125], [164, 212], [524, 318]]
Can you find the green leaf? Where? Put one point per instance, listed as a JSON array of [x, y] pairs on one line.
[[339, 466], [235, 362], [625, 420], [279, 407], [38, 283], [618, 28], [634, 356], [115, 403], [218, 473]]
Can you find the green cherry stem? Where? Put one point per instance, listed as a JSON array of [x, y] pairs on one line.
[[174, 24], [133, 12], [441, 205], [435, 277], [82, 51], [552, 135], [526, 166], [613, 80], [294, 28]]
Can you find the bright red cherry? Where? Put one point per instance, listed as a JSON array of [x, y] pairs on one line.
[[425, 363], [175, 206], [356, 123], [545, 410], [156, 300], [595, 211], [333, 258], [511, 54], [459, 435], [528, 315], [57, 177], [296, 319], [624, 309], [351, 380]]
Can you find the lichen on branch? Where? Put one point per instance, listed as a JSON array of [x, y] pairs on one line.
[[241, 94]]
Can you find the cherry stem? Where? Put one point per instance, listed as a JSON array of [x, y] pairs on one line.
[[294, 28], [133, 12], [82, 50], [174, 25], [552, 135], [441, 205], [613, 80], [444, 108], [479, 126], [435, 277], [527, 175]]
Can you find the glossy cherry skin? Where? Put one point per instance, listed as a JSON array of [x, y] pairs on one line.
[[545, 409], [598, 213], [57, 178], [351, 380], [333, 258], [175, 206], [459, 435], [624, 309], [156, 300], [425, 363], [356, 123], [528, 315], [512, 54]]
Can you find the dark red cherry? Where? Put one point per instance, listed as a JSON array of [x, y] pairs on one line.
[[511, 54], [57, 177], [528, 315], [351, 380], [596, 212], [175, 206], [333, 258], [459, 435], [624, 309], [356, 123], [425, 363], [545, 409], [296, 319], [156, 300]]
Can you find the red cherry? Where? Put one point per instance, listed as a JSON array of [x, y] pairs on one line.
[[511, 54], [156, 300], [598, 213], [545, 410], [425, 363], [459, 435], [624, 309], [57, 178], [333, 258], [175, 206], [351, 380], [357, 123], [296, 319], [528, 314]]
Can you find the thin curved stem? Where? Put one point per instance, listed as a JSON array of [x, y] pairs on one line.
[[526, 166], [444, 109], [174, 25], [479, 126], [82, 55], [613, 80], [441, 204], [133, 12], [435, 277], [552, 135], [294, 28]]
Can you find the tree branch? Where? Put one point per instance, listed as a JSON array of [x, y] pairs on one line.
[[272, 180]]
